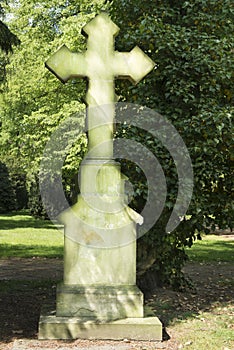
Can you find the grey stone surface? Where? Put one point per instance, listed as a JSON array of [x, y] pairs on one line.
[[53, 327], [99, 302], [100, 229]]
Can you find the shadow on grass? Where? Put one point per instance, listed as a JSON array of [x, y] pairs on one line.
[[25, 251], [21, 302], [20, 305], [213, 288], [22, 219]]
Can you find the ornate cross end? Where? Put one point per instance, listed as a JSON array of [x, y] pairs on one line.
[[100, 61]]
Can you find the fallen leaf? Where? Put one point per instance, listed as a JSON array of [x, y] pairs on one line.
[[127, 341], [20, 331], [188, 343]]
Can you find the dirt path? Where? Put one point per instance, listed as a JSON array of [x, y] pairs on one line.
[[31, 269], [20, 303]]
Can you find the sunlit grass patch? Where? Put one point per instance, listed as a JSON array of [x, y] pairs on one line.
[[209, 330], [212, 248], [21, 235]]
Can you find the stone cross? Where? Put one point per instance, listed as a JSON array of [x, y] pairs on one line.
[[100, 64], [99, 285]]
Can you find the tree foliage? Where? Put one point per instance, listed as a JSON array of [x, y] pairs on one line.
[[35, 102], [7, 194], [7, 38], [192, 45]]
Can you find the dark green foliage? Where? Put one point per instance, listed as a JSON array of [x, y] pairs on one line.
[[19, 185], [192, 86], [35, 204], [7, 38], [7, 195]]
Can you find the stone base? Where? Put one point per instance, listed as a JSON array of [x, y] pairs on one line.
[[102, 303], [54, 327]]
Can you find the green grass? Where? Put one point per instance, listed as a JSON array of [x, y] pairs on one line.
[[209, 330], [21, 235], [212, 248]]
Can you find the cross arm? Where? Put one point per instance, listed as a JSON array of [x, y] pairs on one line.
[[134, 65], [65, 64]]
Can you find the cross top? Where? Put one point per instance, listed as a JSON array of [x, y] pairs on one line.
[[101, 65]]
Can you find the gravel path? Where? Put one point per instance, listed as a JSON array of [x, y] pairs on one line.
[[85, 345]]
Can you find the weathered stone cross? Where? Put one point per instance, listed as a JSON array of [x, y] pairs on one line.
[[100, 64], [99, 285]]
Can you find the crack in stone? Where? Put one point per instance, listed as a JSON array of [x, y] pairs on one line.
[[80, 311]]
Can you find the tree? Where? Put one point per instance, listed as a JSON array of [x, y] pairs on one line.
[[7, 195], [7, 38], [192, 45], [34, 102], [7, 41]]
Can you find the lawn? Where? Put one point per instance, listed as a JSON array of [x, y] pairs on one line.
[[23, 236], [207, 331], [212, 248]]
